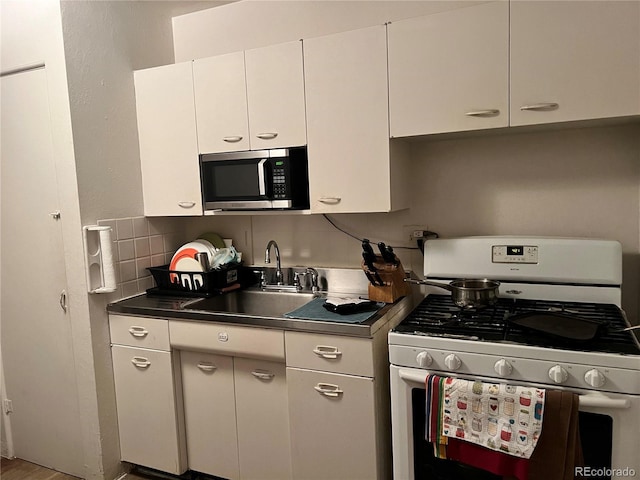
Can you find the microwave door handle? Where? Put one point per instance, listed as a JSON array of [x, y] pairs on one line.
[[262, 184]]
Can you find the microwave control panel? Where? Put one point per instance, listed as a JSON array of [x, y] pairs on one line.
[[279, 180]]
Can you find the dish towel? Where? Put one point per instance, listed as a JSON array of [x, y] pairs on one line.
[[434, 386], [557, 453], [497, 416]]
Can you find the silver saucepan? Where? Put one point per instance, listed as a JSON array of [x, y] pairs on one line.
[[467, 294]]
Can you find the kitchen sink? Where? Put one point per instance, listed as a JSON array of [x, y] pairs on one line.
[[252, 302]]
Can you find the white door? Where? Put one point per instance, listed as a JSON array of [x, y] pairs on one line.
[[450, 71], [37, 350], [574, 60], [221, 103], [275, 96], [168, 143], [348, 121], [262, 415]]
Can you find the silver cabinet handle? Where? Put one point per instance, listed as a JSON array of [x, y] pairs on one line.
[[327, 351], [267, 135], [55, 215], [232, 139], [63, 301], [490, 112], [187, 204], [330, 200], [141, 362], [328, 390], [262, 374], [540, 107], [138, 331], [207, 367]]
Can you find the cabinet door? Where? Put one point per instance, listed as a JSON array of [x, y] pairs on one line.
[[262, 419], [146, 404], [574, 60], [332, 426], [347, 121], [168, 143], [450, 71], [275, 96], [210, 414], [221, 103]]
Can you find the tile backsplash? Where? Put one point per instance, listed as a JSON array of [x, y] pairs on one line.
[[139, 243]]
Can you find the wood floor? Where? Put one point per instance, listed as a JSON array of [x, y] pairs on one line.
[[17, 469]]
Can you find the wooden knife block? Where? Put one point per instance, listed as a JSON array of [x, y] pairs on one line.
[[393, 278]]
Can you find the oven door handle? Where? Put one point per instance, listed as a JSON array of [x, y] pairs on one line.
[[600, 400], [412, 376], [588, 400]]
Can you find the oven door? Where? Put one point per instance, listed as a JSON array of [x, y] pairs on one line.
[[609, 426]]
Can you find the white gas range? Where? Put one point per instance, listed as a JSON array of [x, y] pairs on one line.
[[557, 324]]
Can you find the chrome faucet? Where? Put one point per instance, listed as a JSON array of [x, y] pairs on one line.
[[267, 259], [314, 279]]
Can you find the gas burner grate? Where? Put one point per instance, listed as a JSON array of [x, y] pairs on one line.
[[438, 315]]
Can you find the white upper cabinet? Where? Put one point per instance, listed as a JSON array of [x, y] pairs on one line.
[[450, 71], [275, 96], [574, 60], [250, 100], [221, 103], [350, 169], [168, 143]]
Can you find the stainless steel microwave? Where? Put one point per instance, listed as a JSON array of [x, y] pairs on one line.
[[255, 180]]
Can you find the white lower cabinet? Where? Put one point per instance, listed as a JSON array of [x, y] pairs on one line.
[[210, 414], [236, 417], [333, 427], [146, 377], [263, 420], [148, 420], [246, 403]]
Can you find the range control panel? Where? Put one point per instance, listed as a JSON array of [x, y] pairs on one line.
[[514, 254]]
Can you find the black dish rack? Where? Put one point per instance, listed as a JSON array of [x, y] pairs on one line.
[[195, 284]]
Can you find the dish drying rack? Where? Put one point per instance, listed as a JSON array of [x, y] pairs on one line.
[[195, 284]]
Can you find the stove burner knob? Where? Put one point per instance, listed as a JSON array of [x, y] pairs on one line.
[[424, 359], [558, 374], [595, 378], [503, 367], [452, 361]]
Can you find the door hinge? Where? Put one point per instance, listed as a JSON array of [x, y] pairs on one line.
[[7, 406]]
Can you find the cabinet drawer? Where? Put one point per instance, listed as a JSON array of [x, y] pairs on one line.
[[330, 353], [139, 332], [227, 339]]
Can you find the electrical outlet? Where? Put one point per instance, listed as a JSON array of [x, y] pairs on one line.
[[408, 231]]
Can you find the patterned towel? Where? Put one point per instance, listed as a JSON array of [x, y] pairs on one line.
[[433, 415], [497, 416]]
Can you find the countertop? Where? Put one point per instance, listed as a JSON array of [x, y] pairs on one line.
[[173, 307]]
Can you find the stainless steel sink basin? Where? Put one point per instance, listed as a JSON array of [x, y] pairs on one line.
[[252, 302]]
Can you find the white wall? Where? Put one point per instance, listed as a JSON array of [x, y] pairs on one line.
[[257, 23], [104, 42]]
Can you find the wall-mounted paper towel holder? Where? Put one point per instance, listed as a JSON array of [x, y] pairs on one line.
[[101, 276]]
